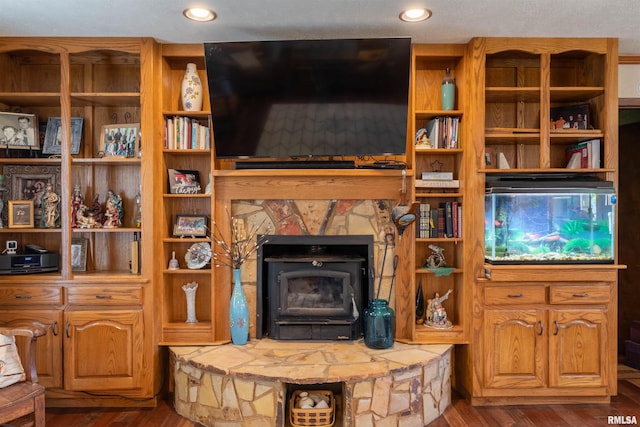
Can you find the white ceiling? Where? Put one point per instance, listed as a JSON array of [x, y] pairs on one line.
[[453, 21]]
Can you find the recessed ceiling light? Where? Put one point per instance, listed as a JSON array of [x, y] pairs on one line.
[[415, 15], [199, 14]]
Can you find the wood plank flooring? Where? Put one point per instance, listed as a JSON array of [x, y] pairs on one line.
[[460, 413]]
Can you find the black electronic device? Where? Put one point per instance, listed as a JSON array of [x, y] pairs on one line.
[[29, 263], [292, 99], [296, 164]]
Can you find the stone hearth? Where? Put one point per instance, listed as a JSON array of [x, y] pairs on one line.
[[248, 386]]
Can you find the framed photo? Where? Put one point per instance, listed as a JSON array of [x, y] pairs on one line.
[[190, 225], [29, 183], [79, 254], [53, 136], [21, 214], [573, 117], [19, 131], [184, 181], [120, 140]]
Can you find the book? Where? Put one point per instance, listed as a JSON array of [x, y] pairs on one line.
[[437, 175], [437, 183], [448, 218]]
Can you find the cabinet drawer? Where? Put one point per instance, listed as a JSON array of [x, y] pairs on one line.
[[514, 295], [596, 294], [81, 295], [32, 295]]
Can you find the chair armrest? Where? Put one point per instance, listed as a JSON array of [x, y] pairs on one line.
[[31, 333]]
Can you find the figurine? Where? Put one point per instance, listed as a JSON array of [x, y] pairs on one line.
[[436, 314], [113, 211], [96, 212], [49, 204], [173, 262], [436, 259], [77, 202]]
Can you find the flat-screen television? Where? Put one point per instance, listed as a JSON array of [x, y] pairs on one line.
[[297, 99]]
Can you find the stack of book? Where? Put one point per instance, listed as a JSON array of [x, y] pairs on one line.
[[584, 155], [445, 220], [186, 133], [437, 180], [443, 132]]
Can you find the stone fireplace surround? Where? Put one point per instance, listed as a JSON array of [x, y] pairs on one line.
[[238, 386], [249, 386]]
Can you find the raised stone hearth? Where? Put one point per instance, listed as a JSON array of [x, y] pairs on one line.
[[248, 386]]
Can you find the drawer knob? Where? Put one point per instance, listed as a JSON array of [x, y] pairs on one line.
[[583, 295], [23, 296], [103, 296], [515, 295]]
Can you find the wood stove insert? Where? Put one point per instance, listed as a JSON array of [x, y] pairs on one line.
[[313, 287]]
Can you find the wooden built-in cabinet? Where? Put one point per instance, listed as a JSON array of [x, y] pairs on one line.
[[542, 339], [540, 333], [97, 311]]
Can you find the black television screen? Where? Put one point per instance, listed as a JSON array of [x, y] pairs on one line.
[[309, 98]]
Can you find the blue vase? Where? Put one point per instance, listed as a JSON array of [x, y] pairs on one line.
[[238, 312], [379, 325]]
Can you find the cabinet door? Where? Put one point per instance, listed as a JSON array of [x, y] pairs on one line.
[[577, 348], [515, 348], [48, 347], [103, 349]]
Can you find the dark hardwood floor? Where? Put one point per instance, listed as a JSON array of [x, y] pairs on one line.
[[460, 413]]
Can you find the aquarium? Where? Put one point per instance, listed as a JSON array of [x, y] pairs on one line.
[[549, 221]]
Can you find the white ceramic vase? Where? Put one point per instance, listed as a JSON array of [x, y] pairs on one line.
[[190, 293], [191, 93]]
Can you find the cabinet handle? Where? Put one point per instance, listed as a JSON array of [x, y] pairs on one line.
[[555, 323], [54, 328], [23, 296], [541, 328], [67, 328], [515, 295], [583, 295], [103, 296]]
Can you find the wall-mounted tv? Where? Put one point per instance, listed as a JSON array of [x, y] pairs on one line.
[[297, 99]]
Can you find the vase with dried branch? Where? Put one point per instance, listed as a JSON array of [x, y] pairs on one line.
[[242, 245]]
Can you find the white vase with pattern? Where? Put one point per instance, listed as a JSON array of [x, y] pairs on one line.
[[191, 93]]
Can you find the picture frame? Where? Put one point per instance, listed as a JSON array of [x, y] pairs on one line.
[[190, 225], [21, 214], [19, 131], [53, 135], [184, 181], [28, 182], [570, 118], [79, 254], [120, 140]]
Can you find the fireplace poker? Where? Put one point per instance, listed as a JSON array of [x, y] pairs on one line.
[[387, 237], [393, 277]]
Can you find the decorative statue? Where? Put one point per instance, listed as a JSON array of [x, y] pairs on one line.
[[436, 314], [77, 202], [113, 211], [49, 204], [436, 259], [137, 222], [96, 212]]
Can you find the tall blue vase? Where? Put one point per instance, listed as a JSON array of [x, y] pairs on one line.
[[238, 312]]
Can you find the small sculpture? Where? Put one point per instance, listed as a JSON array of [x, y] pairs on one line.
[[49, 204], [436, 259], [96, 212], [113, 211], [77, 202], [436, 314]]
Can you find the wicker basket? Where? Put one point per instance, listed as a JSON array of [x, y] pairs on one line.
[[316, 417]]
